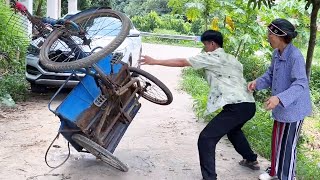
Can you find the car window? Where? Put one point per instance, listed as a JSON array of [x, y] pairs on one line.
[[103, 26]]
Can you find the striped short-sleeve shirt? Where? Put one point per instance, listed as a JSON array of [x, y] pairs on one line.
[[224, 74]]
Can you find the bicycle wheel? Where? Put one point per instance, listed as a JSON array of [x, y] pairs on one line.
[[100, 152], [68, 49], [152, 88]]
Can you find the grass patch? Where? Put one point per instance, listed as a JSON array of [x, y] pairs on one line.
[[316, 54], [309, 149], [194, 83], [258, 131]]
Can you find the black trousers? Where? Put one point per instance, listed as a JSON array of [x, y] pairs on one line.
[[229, 121]]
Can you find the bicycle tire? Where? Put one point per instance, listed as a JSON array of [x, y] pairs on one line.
[[92, 58], [168, 95], [100, 152]]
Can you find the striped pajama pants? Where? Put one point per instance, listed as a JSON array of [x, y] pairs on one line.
[[284, 149]]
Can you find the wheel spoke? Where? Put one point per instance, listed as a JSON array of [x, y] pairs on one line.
[[152, 89], [99, 152], [102, 28]]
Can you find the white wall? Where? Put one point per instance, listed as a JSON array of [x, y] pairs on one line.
[[54, 9], [29, 5], [72, 6]]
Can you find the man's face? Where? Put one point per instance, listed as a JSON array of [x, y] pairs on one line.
[[209, 46]]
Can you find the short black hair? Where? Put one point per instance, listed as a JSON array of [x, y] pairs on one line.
[[212, 35]]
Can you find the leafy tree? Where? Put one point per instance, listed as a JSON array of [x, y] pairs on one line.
[[194, 9], [143, 7], [39, 7], [159, 6], [178, 6], [315, 6], [84, 4], [134, 8], [119, 5], [100, 3]]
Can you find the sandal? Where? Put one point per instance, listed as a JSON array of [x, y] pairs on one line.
[[254, 165]]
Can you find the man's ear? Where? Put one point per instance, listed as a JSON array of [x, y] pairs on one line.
[[215, 45]]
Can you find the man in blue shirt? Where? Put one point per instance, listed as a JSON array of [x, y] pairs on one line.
[[290, 101]]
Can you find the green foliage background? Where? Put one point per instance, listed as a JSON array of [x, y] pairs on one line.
[[13, 43], [246, 40]]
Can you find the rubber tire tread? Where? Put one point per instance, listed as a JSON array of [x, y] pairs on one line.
[[84, 141], [87, 61], [162, 86]]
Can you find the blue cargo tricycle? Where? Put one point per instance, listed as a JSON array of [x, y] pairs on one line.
[[96, 113]]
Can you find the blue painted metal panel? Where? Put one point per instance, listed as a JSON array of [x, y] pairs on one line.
[[83, 95]]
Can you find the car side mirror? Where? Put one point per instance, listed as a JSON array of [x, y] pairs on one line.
[[134, 33]]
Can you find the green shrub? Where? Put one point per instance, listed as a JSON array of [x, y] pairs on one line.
[[197, 27], [315, 77], [15, 85], [315, 87], [176, 23], [140, 23], [253, 67], [152, 21], [13, 43], [148, 22], [13, 38]]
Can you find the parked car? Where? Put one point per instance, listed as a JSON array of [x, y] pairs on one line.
[[41, 78]]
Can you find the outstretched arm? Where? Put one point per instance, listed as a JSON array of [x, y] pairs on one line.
[[175, 62]]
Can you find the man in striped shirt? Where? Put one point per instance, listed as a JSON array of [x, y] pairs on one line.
[[228, 90]]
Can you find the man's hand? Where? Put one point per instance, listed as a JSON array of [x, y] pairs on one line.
[[147, 60], [252, 85], [174, 62], [272, 102]]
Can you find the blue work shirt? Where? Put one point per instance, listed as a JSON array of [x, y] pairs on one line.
[[286, 76]]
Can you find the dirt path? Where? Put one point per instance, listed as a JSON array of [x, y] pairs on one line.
[[159, 144]]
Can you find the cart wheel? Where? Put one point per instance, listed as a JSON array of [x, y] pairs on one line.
[[153, 89], [100, 152], [68, 48]]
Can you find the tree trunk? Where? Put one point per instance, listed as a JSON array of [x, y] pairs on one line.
[[38, 11], [312, 38]]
